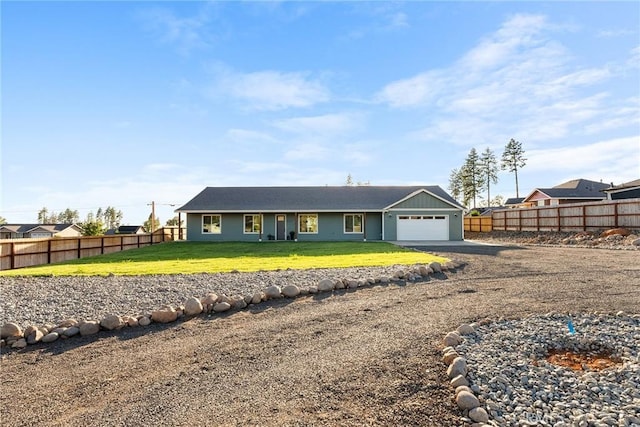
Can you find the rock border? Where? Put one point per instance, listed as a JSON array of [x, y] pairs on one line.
[[472, 407], [457, 370], [13, 336]]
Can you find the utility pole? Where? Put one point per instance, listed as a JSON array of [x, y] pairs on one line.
[[153, 216]]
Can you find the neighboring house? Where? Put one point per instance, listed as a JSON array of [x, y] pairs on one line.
[[126, 229], [323, 214], [575, 191], [22, 231], [514, 202], [628, 190]]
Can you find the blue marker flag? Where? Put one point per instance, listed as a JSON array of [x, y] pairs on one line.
[[570, 326]]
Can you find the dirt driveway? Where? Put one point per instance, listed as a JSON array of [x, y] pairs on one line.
[[369, 357]]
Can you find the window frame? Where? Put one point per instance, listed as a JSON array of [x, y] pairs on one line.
[[300, 216], [244, 224], [219, 224], [344, 223]]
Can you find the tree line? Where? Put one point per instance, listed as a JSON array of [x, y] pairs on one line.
[[480, 171], [97, 223]]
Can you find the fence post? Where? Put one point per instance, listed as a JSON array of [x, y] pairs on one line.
[[79, 248], [102, 245], [49, 251], [13, 255], [615, 215], [558, 217]]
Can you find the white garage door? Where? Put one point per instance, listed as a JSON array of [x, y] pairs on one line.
[[423, 227]]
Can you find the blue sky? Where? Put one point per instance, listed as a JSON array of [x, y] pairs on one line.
[[121, 103]]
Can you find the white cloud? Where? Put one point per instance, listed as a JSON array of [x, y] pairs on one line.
[[270, 90], [312, 151], [619, 32], [615, 159], [517, 81], [249, 136], [185, 33]]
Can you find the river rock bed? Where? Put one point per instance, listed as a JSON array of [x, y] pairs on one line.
[[49, 300], [507, 369]]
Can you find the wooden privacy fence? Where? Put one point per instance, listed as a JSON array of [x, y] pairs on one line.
[[19, 253], [571, 217], [478, 223]]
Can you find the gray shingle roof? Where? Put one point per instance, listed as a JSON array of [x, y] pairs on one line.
[[344, 198], [576, 189], [25, 228]]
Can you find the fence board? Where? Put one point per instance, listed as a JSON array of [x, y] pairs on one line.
[[574, 217], [19, 253]]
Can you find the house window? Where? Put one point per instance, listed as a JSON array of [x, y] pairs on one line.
[[212, 224], [252, 224], [353, 223], [308, 223]]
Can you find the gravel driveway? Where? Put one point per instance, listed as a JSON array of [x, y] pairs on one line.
[[353, 358]]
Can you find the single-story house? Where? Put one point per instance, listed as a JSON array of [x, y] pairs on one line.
[[126, 229], [326, 213], [513, 202], [628, 190], [574, 191], [23, 231]]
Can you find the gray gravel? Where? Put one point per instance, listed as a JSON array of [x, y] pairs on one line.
[[41, 300], [518, 386]]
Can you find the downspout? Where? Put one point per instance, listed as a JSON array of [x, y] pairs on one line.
[[383, 214], [260, 229]]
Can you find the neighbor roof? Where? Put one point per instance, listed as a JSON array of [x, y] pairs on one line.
[[574, 189], [624, 186], [26, 228], [278, 199]]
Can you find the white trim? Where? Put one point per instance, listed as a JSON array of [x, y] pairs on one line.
[[344, 223], [206, 211], [202, 223], [397, 210], [415, 193]]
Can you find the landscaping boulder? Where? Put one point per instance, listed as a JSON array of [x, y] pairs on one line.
[[326, 285], [144, 321], [436, 267], [457, 367], [71, 331], [615, 232], [192, 307], [165, 315], [50, 337], [89, 327], [272, 292], [467, 400], [291, 291], [111, 322], [221, 306], [479, 415], [11, 329]]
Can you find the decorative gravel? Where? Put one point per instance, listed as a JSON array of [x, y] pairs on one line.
[[509, 373], [41, 300]]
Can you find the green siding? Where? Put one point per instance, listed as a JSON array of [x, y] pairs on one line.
[[422, 201], [330, 228]]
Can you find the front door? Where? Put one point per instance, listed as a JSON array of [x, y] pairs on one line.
[[281, 227]]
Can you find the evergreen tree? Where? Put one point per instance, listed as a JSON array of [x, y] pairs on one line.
[[513, 159], [455, 184], [489, 167], [3, 220], [43, 216], [471, 177], [112, 217], [69, 216]]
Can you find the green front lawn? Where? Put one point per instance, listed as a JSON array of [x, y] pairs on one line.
[[205, 257]]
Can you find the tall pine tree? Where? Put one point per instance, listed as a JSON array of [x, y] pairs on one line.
[[513, 159], [489, 167]]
